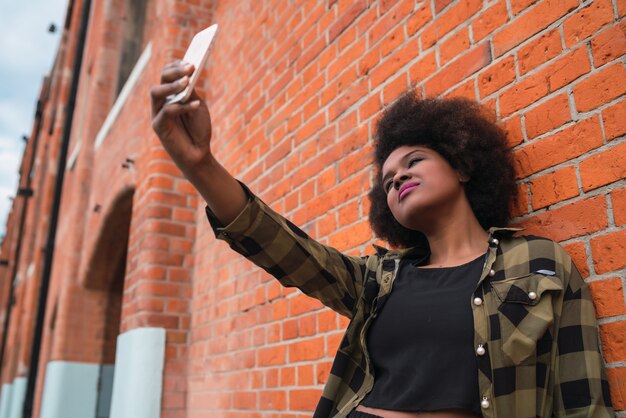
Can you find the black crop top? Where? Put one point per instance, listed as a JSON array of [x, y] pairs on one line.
[[422, 342]]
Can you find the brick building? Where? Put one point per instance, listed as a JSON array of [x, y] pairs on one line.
[[107, 247]]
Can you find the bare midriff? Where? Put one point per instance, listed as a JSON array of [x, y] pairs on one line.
[[385, 413]]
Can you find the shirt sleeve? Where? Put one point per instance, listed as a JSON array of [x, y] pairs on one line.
[[581, 387], [286, 252]]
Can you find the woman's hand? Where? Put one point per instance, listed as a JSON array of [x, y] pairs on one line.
[[183, 128], [185, 132]]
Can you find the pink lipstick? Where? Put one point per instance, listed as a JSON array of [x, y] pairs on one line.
[[405, 189]]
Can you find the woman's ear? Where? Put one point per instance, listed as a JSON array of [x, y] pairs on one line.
[[463, 178]]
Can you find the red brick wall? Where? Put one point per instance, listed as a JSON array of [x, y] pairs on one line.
[[295, 88]]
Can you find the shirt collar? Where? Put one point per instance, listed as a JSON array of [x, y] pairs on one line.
[[423, 250]]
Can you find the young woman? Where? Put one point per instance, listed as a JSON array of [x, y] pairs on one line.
[[464, 319]]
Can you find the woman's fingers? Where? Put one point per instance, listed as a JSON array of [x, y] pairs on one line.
[[175, 70], [161, 122], [160, 93]]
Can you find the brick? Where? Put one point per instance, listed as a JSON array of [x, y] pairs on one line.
[[311, 349], [273, 400], [618, 198], [613, 336], [554, 187], [304, 375], [604, 168], [351, 237], [307, 325], [445, 22], [513, 129], [608, 297], [569, 143], [302, 304], [394, 88], [579, 255], [303, 399], [327, 321], [609, 251], [348, 16], [287, 376], [271, 356], [418, 18], [601, 87], [369, 61], [459, 69], [441, 4], [587, 21], [518, 6], [245, 400], [370, 107], [393, 64], [496, 76], [609, 44], [573, 220], [539, 51], [489, 21], [392, 41], [423, 68], [617, 384], [548, 116], [467, 89], [453, 46], [344, 60], [388, 20], [613, 120], [533, 21], [549, 79]]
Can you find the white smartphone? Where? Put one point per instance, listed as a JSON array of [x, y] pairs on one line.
[[196, 54]]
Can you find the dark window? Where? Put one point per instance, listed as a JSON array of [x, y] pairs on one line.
[[132, 42]]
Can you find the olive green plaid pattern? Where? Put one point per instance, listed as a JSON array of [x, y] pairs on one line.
[[533, 315]]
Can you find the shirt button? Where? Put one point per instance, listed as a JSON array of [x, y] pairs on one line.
[[532, 295], [495, 242], [484, 403], [480, 350], [492, 272], [478, 301]]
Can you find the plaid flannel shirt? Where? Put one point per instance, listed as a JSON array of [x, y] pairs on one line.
[[534, 319]]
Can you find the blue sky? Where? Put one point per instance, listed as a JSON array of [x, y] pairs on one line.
[[27, 50]]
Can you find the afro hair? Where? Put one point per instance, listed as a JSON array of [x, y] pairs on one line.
[[462, 132]]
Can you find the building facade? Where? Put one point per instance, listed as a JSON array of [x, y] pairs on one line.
[[115, 297]]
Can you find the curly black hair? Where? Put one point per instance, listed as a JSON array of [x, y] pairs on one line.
[[467, 137]]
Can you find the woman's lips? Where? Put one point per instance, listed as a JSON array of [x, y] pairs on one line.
[[405, 189]]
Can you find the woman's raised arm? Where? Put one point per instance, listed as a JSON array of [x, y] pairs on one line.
[[185, 132]]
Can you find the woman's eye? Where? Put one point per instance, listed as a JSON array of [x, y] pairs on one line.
[[414, 160], [387, 186]]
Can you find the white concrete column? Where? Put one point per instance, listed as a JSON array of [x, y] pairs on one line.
[[138, 380]]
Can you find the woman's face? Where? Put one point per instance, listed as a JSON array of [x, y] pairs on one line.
[[421, 185]]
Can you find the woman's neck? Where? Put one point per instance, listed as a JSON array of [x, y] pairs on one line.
[[456, 241]]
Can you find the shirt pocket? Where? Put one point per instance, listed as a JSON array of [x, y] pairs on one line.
[[526, 313]]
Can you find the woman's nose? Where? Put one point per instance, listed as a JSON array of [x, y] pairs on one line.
[[399, 178]]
